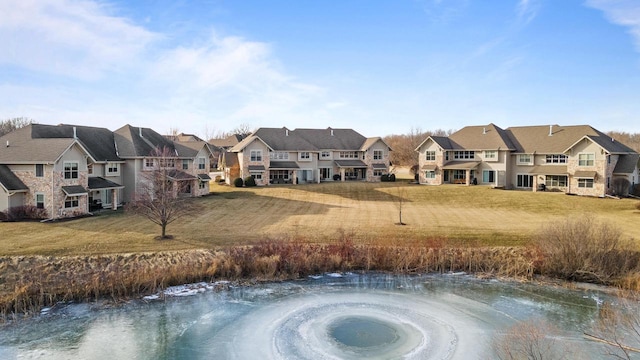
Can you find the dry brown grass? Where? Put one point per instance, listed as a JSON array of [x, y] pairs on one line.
[[474, 215], [28, 283]]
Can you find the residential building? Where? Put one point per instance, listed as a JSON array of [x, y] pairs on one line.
[[189, 163], [71, 170], [574, 159], [283, 156], [63, 169]]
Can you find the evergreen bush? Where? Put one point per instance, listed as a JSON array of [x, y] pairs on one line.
[[238, 182], [249, 181]]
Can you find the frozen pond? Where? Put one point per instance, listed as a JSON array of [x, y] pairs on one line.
[[374, 316]]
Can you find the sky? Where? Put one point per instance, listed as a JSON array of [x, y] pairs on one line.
[[380, 67]]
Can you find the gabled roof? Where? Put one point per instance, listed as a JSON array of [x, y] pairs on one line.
[[134, 142], [98, 141], [555, 139], [283, 139], [10, 182], [246, 141], [488, 137], [626, 164], [182, 137], [608, 143], [191, 148], [441, 141], [97, 182], [333, 139], [23, 149], [370, 141], [227, 142]]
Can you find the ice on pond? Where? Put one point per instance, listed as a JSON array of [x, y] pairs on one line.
[[351, 316]]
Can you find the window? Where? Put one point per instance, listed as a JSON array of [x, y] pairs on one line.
[[488, 176], [464, 155], [325, 155], [185, 164], [39, 170], [524, 181], [113, 169], [89, 169], [325, 173], [40, 201], [525, 159], [168, 163], [257, 176], [256, 155], [430, 174], [71, 170], [202, 184], [491, 154], [201, 163], [556, 159], [348, 154], [430, 155], [279, 155], [459, 175], [148, 163], [586, 159], [446, 156], [556, 180], [70, 202], [585, 183], [377, 154], [304, 155]]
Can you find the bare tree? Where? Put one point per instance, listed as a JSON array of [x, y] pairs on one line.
[[9, 125], [618, 329], [404, 145], [158, 194], [531, 340]]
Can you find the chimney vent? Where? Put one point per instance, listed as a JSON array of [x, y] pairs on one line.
[[7, 143], [140, 131], [550, 130], [75, 134], [286, 132], [484, 131], [331, 132]]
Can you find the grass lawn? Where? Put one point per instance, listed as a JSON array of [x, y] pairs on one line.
[[317, 212]]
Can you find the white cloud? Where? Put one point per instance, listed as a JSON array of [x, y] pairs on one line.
[[621, 12], [527, 10], [74, 38]]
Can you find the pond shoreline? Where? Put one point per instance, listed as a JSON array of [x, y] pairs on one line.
[[29, 284]]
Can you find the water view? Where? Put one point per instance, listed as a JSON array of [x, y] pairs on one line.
[[334, 316]]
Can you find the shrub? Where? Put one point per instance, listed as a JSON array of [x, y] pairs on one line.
[[638, 205], [584, 249], [238, 182], [218, 178], [392, 177], [26, 212], [384, 177], [620, 186], [336, 177], [249, 181]]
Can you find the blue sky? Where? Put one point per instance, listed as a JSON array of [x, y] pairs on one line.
[[380, 67]]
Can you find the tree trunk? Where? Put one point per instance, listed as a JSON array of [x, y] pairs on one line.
[[164, 231]]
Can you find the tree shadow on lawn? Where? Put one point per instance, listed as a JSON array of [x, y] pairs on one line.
[[391, 192]]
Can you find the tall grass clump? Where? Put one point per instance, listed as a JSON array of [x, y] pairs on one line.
[[585, 249]]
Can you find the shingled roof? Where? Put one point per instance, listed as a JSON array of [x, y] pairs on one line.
[[98, 141], [139, 142], [488, 137], [10, 181], [283, 139], [18, 147], [555, 139]]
